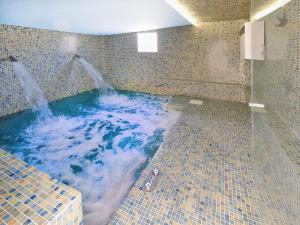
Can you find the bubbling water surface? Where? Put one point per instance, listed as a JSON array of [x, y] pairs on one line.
[[99, 150]]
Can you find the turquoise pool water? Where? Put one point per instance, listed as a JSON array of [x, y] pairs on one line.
[[96, 144]]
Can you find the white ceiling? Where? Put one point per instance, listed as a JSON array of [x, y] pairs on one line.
[[91, 16]]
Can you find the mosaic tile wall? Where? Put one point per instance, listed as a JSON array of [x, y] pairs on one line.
[[217, 10], [276, 130], [190, 61], [28, 196], [46, 55]]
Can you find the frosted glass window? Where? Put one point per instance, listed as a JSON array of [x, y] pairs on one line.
[[147, 42]]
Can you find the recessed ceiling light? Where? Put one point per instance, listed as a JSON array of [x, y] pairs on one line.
[[182, 10], [270, 9]]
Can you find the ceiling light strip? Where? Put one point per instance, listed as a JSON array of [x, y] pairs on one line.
[[270, 9], [182, 10]]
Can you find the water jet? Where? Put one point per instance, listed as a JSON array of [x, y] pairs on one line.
[[95, 74]]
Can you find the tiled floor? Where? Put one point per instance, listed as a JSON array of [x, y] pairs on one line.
[[277, 162], [207, 174], [28, 196]]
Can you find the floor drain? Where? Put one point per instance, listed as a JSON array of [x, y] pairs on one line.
[[151, 180], [196, 102]]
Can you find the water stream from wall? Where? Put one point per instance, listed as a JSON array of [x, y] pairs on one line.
[[33, 93], [97, 77]]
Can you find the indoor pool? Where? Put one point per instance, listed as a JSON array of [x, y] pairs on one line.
[[96, 144]]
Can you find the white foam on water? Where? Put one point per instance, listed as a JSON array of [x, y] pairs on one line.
[[117, 181], [78, 151]]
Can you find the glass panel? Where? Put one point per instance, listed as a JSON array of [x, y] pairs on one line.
[[276, 129]]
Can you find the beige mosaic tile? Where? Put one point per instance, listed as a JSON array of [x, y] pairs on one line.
[[28, 196], [217, 10], [198, 62], [191, 61]]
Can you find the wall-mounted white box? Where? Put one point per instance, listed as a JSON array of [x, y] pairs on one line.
[[252, 43]]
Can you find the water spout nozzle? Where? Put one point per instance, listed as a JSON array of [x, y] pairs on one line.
[[12, 59], [76, 56], [9, 59]]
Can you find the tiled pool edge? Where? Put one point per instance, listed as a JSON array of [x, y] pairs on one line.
[[28, 196], [211, 182], [176, 103]]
